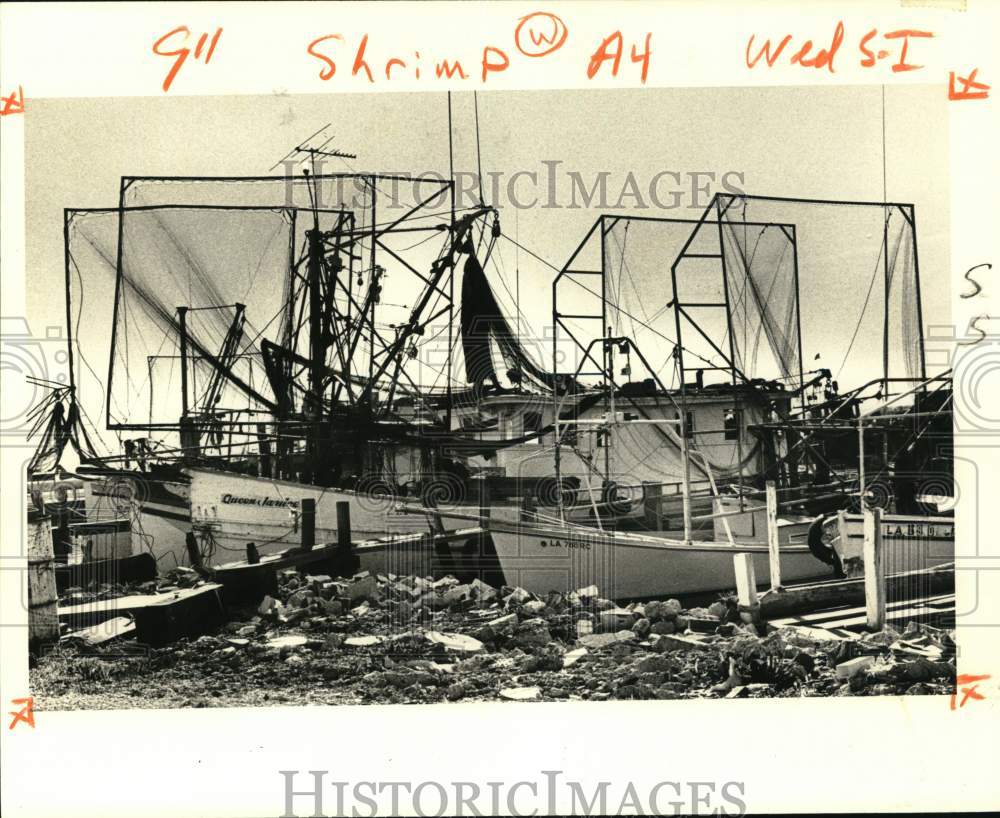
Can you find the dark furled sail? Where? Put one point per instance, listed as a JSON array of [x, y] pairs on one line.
[[483, 320]]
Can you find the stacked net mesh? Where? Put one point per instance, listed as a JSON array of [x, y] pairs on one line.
[[209, 245], [774, 289], [841, 284]]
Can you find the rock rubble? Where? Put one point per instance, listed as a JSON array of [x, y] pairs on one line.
[[404, 639]]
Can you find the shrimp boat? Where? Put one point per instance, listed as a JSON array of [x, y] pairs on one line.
[[252, 362], [826, 453]]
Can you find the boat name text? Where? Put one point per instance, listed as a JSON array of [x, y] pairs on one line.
[[264, 502]]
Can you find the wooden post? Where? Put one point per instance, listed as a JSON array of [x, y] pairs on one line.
[[307, 517], [874, 559], [345, 562], [773, 552], [43, 600], [62, 540], [686, 457], [652, 502], [746, 579], [861, 465], [343, 523], [484, 499], [746, 588], [194, 554]]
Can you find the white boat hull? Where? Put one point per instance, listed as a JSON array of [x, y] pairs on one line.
[[229, 510], [633, 566], [910, 542]]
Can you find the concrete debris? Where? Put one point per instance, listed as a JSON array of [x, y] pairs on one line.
[[521, 694], [112, 629], [615, 619], [601, 640], [398, 639], [482, 591], [292, 640], [501, 626], [267, 605], [845, 670], [362, 641], [517, 596], [532, 633], [668, 642], [457, 594], [454, 641]]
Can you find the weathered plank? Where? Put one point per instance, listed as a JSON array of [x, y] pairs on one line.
[[205, 597], [817, 596], [135, 568]]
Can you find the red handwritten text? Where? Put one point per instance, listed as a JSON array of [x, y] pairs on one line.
[[804, 56], [905, 34], [871, 58], [537, 29], [181, 54], [895, 45], [611, 49], [535, 35]]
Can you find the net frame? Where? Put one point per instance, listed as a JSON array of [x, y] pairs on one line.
[[297, 197]]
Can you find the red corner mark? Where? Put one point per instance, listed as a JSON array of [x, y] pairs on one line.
[[13, 104], [968, 683], [25, 714], [970, 88]]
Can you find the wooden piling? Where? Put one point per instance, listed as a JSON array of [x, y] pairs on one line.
[[193, 552], [652, 503], [343, 523], [874, 562], [344, 562], [746, 588], [307, 521], [484, 499], [773, 548], [43, 620]]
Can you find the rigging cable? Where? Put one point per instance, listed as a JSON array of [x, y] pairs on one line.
[[598, 295], [479, 155]]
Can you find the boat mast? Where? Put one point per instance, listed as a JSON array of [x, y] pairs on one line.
[[451, 275], [685, 455], [318, 339], [182, 322]]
